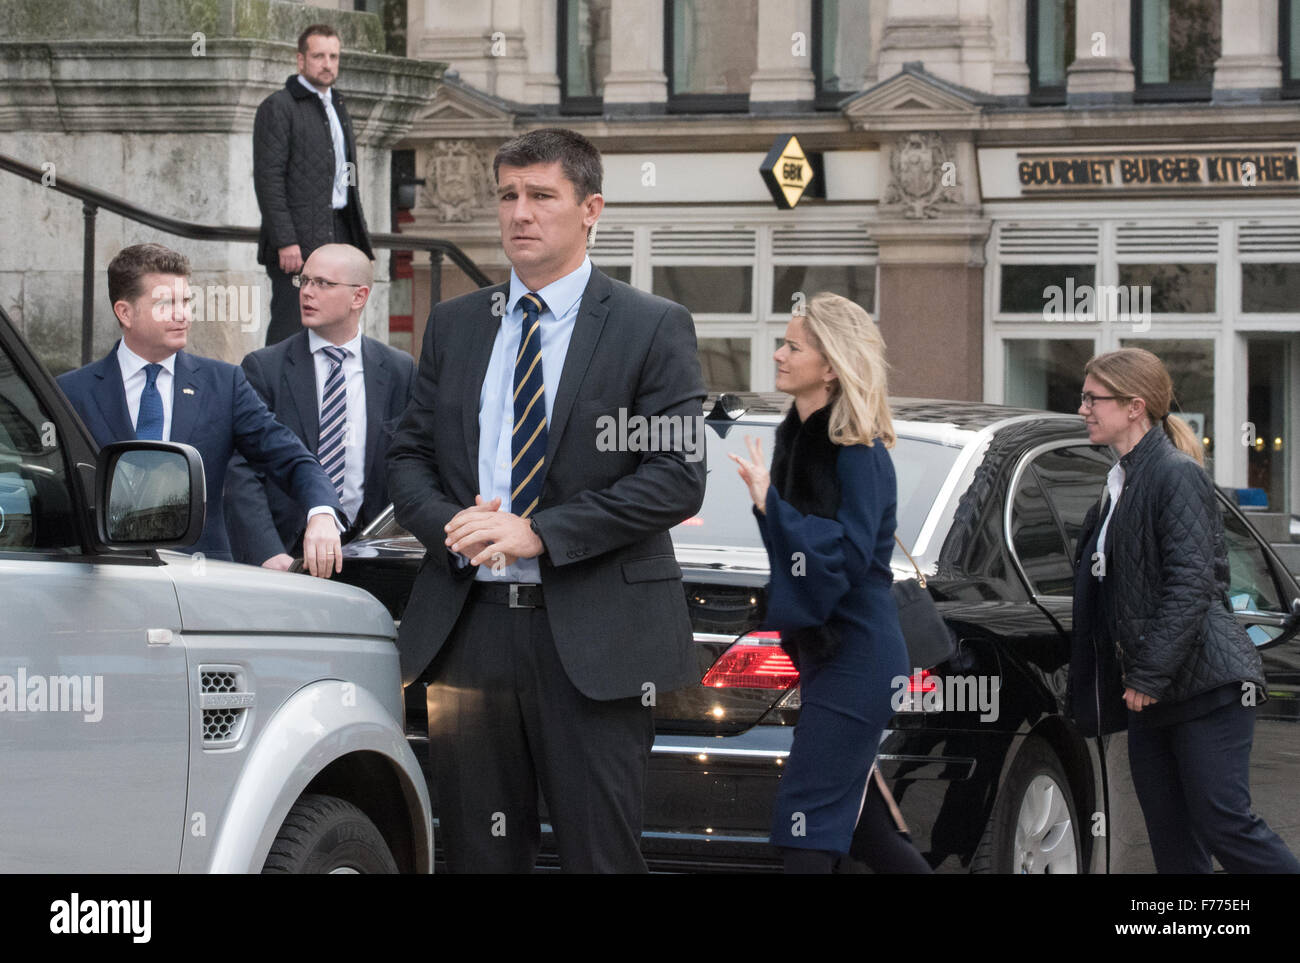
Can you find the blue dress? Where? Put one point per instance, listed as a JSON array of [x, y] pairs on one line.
[[836, 571]]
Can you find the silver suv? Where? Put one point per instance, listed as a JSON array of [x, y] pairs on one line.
[[163, 712]]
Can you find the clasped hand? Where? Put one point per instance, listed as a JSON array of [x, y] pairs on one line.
[[492, 532]]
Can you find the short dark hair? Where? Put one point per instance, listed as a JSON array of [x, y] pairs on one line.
[[577, 155], [315, 30], [126, 271]]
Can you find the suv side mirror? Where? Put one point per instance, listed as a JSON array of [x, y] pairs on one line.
[[152, 494]]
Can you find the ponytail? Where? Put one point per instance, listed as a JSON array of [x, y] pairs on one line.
[[1184, 439]]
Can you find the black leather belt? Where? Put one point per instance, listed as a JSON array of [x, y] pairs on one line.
[[517, 595]]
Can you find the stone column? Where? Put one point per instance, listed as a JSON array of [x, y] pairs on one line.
[[637, 83], [1102, 72], [784, 78], [1011, 66], [542, 82], [1249, 68], [931, 238]]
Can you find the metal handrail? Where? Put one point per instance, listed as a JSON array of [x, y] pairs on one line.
[[92, 199]]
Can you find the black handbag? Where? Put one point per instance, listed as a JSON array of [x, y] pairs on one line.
[[929, 640]]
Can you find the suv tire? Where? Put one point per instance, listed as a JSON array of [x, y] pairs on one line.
[[325, 834]]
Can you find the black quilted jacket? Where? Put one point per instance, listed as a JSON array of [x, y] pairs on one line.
[[1165, 605], [293, 172]]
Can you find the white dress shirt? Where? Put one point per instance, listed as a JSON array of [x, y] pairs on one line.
[[134, 379], [354, 430], [1114, 485], [133, 382], [340, 197]]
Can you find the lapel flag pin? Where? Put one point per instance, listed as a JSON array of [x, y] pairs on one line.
[[187, 391]]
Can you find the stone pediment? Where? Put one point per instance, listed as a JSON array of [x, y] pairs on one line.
[[915, 99], [459, 110]]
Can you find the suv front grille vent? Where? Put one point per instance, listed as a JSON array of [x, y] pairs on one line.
[[225, 700]]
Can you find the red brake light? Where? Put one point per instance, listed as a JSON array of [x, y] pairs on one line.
[[754, 661], [924, 681]]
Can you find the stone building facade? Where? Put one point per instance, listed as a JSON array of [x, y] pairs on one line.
[[986, 167]]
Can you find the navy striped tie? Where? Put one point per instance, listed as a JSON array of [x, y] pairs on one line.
[[333, 419], [528, 440]]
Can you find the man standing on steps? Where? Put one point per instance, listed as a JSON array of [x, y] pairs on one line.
[[305, 174]]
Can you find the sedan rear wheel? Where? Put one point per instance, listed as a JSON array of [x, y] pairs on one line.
[[1034, 828]]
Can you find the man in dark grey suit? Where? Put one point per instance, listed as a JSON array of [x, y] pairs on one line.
[[371, 389], [549, 612]]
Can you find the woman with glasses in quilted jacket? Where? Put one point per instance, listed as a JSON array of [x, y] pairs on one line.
[[1156, 647]]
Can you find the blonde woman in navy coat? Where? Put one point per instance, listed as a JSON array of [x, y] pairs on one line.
[[826, 513]]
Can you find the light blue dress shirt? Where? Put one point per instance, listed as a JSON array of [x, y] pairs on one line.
[[496, 407]]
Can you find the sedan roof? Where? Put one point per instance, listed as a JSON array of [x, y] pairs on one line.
[[967, 415]]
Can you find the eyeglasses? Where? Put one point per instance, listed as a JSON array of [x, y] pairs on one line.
[[1088, 399], [305, 281]]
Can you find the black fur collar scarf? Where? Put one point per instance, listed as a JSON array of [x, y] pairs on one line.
[[804, 473], [803, 463]]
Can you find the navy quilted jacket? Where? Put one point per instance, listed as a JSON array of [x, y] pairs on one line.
[[1164, 606]]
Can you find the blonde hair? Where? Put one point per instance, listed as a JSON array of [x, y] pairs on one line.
[[1137, 373], [850, 342]]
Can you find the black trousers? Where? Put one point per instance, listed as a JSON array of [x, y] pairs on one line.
[[504, 722], [286, 315], [1193, 782]]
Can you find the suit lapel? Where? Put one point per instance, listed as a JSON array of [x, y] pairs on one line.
[[586, 332], [300, 376], [482, 333], [185, 404], [110, 398], [375, 374]]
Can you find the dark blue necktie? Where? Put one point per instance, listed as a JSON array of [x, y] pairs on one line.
[[149, 420], [528, 441]]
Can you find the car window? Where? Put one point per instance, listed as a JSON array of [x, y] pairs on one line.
[[726, 519], [1055, 492], [35, 505], [1037, 539], [1073, 479], [1251, 586]]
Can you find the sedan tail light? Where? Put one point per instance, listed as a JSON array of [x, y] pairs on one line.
[[754, 661]]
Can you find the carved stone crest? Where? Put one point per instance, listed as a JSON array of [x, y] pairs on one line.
[[922, 175], [457, 181]]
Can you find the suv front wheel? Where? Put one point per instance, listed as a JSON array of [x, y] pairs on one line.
[[325, 834]]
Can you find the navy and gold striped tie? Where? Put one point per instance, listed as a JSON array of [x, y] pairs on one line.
[[528, 441]]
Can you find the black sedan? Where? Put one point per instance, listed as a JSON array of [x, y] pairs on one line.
[[988, 773]]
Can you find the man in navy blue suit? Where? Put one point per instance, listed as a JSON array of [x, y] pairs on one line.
[[328, 372], [149, 388]]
